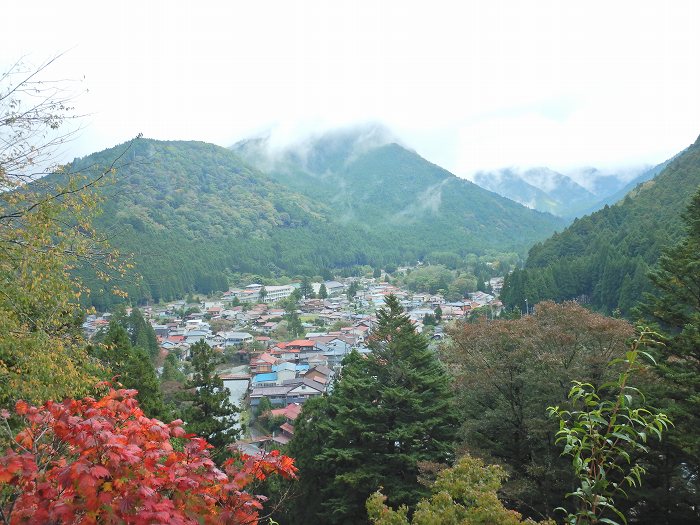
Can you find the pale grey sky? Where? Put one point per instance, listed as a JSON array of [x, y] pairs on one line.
[[469, 84]]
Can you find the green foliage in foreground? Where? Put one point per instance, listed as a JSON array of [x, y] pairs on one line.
[[674, 306], [391, 410], [465, 494], [506, 374], [602, 433]]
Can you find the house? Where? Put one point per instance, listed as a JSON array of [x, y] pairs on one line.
[[320, 374], [302, 345], [285, 435], [276, 394], [277, 293], [315, 359], [266, 379], [262, 363], [334, 287], [236, 338], [290, 412], [286, 430], [161, 330], [296, 390], [263, 340], [285, 372], [215, 311], [304, 390]]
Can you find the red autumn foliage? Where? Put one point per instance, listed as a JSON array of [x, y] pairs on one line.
[[102, 461]]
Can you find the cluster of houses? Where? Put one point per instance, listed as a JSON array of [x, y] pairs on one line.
[[288, 373]]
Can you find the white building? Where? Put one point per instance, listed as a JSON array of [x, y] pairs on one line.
[[277, 293]]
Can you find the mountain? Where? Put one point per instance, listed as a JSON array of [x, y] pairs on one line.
[[375, 185], [577, 193], [538, 188], [604, 258], [618, 195], [192, 213]]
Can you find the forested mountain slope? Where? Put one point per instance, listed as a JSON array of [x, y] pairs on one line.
[[603, 258], [538, 188], [376, 185], [631, 185], [192, 212]]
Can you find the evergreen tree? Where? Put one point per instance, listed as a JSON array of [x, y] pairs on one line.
[[322, 291], [389, 411], [132, 368], [138, 373], [675, 306], [115, 348], [142, 333], [171, 369], [306, 289], [352, 290], [294, 326], [210, 413], [438, 314]]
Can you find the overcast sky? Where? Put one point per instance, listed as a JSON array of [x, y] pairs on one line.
[[469, 85]]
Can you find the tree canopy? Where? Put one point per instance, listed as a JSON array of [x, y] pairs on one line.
[[389, 411], [46, 233], [208, 410], [507, 372], [103, 461]]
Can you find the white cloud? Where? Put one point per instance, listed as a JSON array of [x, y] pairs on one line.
[[470, 85]]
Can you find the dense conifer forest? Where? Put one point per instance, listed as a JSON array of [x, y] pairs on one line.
[[193, 213], [604, 259]]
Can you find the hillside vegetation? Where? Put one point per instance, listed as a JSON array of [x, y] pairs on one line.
[[375, 185], [604, 258], [193, 213]]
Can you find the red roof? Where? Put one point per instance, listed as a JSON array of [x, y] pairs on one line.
[[266, 358], [291, 411], [301, 342], [176, 338]]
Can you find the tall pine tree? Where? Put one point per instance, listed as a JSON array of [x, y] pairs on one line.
[[675, 306], [132, 368], [389, 411], [142, 333], [210, 413]]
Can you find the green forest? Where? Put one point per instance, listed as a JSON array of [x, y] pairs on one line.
[[559, 414], [604, 259], [193, 213]]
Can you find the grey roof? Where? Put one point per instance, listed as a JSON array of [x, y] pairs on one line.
[[293, 383], [262, 391], [324, 370]]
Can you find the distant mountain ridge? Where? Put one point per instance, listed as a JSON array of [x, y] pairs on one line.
[[541, 189], [376, 181], [603, 258], [193, 212], [550, 191]]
